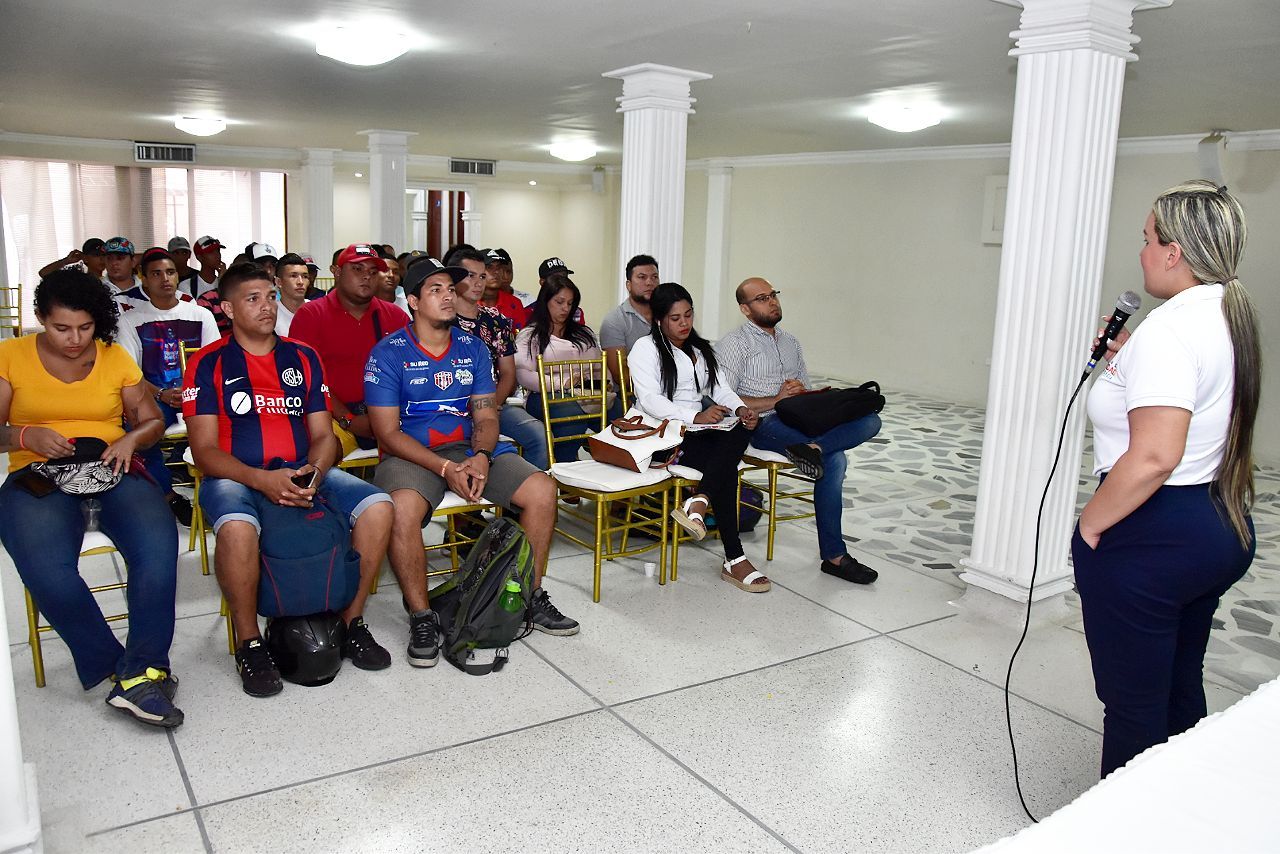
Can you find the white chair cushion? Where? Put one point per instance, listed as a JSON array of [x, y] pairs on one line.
[[176, 429], [361, 454], [95, 540], [755, 453], [603, 477], [453, 499], [685, 472], [188, 457]]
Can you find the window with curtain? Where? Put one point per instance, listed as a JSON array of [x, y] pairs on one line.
[[52, 207]]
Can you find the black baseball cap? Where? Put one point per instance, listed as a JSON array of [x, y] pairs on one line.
[[553, 265], [94, 246], [425, 268]]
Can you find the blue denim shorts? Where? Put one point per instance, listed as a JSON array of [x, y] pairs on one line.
[[226, 500]]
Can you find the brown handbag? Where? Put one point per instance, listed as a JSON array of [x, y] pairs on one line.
[[630, 442]]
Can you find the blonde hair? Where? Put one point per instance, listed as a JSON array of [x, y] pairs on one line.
[[1208, 225]]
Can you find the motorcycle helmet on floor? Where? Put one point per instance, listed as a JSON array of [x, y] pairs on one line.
[[307, 650]]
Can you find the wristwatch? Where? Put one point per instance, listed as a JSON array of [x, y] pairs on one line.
[[344, 422], [488, 453]]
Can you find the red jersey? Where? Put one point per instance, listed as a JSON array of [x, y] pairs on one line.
[[261, 402], [344, 342]]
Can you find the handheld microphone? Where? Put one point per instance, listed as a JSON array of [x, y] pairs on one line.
[[1126, 306]]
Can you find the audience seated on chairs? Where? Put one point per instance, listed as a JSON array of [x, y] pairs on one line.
[[208, 253], [420, 384], [554, 334], [343, 327], [675, 375], [293, 285], [622, 327], [549, 267], [389, 289], [257, 416], [765, 365], [495, 330], [154, 333], [89, 258], [498, 293], [57, 386], [119, 276]]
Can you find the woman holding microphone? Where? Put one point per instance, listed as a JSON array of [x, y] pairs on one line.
[[1168, 530]]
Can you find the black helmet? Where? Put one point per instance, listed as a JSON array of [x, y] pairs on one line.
[[307, 650]]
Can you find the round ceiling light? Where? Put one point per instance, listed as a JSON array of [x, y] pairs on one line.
[[905, 117], [200, 126], [574, 151], [364, 43]]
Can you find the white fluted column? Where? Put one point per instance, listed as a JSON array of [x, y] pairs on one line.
[[715, 267], [388, 155], [317, 192], [471, 221], [1071, 61], [19, 806], [655, 106]]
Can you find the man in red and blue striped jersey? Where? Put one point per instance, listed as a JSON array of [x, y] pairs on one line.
[[258, 423]]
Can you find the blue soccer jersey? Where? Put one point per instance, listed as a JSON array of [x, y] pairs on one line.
[[432, 391]]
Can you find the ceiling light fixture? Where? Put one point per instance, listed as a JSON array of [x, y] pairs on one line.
[[200, 126], [574, 151], [358, 174], [905, 116], [533, 183], [362, 43]]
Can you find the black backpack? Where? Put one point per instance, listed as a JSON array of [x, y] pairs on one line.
[[307, 563], [470, 604]]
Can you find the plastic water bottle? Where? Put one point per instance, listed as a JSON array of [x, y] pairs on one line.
[[169, 351], [511, 600], [91, 508]]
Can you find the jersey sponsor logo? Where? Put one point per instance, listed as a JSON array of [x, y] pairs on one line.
[[241, 403], [398, 342], [292, 377], [371, 377], [409, 366], [232, 380], [418, 381], [443, 379], [278, 404], [464, 375], [190, 394]]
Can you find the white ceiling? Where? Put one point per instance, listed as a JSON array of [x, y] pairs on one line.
[[503, 79]]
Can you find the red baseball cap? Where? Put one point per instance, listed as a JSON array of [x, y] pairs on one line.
[[362, 252]]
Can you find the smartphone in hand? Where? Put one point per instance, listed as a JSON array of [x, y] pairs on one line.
[[306, 480]]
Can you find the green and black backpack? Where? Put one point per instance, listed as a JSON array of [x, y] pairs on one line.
[[485, 604]]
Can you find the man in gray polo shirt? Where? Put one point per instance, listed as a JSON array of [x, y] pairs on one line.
[[630, 322], [765, 365]]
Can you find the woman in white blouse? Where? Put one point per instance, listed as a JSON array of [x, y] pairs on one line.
[[675, 376], [555, 334], [1168, 530]]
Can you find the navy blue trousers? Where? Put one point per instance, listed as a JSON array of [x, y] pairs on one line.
[[1148, 593]]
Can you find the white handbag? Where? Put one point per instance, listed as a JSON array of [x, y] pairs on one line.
[[631, 441]]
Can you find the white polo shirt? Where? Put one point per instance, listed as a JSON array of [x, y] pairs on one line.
[[1180, 356], [692, 383]]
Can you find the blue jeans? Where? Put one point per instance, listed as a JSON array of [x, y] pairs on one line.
[[224, 500], [828, 490], [528, 432], [153, 457], [566, 452], [43, 536]]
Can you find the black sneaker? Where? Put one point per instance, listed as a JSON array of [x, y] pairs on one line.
[[258, 673], [169, 685], [363, 651], [547, 618], [807, 459], [181, 508], [424, 638], [849, 569], [146, 702]]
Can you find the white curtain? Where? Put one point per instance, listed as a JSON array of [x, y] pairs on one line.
[[53, 207]]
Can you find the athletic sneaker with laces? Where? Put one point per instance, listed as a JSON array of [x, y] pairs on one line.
[[424, 638], [143, 698], [362, 650], [258, 673], [547, 617]]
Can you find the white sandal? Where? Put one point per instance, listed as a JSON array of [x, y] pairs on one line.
[[692, 522], [754, 582]]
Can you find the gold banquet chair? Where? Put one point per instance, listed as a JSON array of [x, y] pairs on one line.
[[11, 309], [584, 381]]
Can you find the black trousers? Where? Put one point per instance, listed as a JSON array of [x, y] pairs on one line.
[[716, 454]]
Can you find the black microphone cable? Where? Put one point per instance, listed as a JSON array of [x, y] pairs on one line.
[[1031, 588]]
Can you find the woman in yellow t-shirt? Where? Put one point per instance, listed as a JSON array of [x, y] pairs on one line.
[[57, 386]]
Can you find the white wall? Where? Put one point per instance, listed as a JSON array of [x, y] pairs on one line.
[[884, 275]]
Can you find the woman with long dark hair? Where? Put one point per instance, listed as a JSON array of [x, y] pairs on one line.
[[675, 375], [1168, 530], [555, 334], [65, 385]]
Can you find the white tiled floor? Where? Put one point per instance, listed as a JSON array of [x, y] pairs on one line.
[[819, 717]]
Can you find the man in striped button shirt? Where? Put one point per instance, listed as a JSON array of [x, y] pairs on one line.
[[766, 365]]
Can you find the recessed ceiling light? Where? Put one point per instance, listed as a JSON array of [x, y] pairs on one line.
[[574, 151], [358, 174], [533, 183], [200, 126], [362, 43]]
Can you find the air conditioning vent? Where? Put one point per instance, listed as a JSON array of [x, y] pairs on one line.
[[459, 166], [163, 152]]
